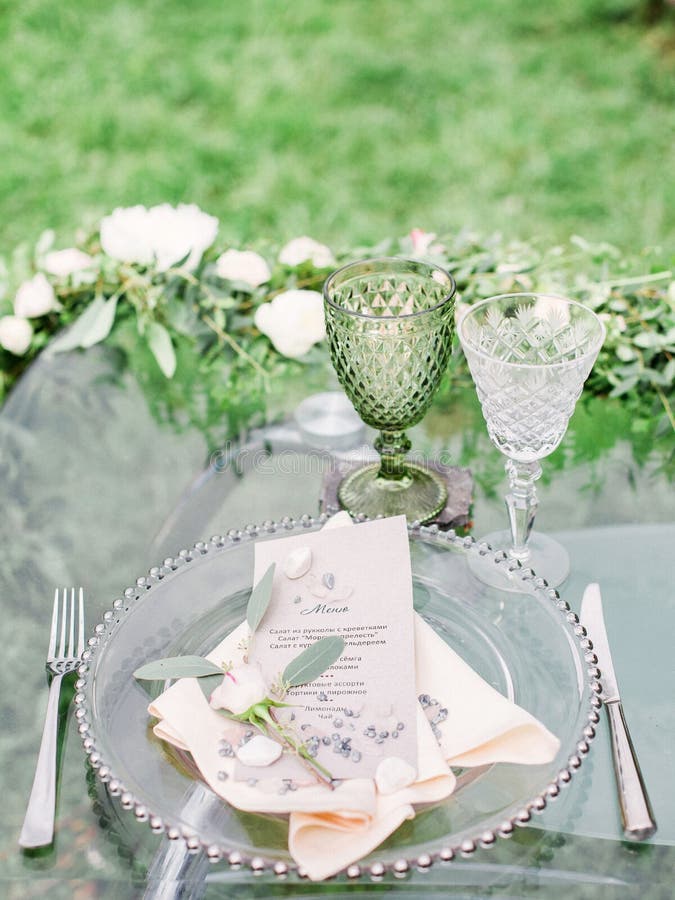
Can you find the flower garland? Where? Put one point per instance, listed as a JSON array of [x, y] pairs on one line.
[[206, 330]]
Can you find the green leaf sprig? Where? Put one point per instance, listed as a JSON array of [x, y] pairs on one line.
[[313, 661], [177, 667], [259, 600], [305, 668], [189, 336]]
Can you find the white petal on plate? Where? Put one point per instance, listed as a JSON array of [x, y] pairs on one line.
[[298, 562], [259, 751]]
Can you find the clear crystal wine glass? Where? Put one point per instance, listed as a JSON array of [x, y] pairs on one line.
[[390, 324], [529, 356]]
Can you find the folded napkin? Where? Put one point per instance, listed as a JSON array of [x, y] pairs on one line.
[[329, 829]]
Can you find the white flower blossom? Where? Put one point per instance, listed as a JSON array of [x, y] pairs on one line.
[[35, 298], [294, 321], [242, 687], [63, 263], [162, 235], [423, 242], [15, 334], [243, 265], [306, 249]]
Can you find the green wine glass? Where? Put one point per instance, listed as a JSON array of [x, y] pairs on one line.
[[390, 324]]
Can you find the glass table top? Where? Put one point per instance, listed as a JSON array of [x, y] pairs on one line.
[[94, 492]]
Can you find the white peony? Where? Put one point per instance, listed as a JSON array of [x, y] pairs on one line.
[[241, 688], [63, 263], [15, 334], [163, 234], [34, 298], [303, 249], [293, 321], [125, 235], [243, 265]]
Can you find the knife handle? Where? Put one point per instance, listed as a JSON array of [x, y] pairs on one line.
[[637, 817]]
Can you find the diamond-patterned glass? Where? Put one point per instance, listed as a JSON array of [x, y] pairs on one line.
[[390, 325], [529, 356]]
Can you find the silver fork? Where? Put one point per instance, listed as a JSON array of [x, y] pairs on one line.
[[38, 826]]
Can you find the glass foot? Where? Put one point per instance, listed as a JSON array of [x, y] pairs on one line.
[[547, 558], [420, 496]]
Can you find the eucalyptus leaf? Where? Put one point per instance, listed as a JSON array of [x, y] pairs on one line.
[[177, 667], [625, 353], [159, 341], [93, 326], [648, 339], [624, 387], [208, 683], [260, 599], [100, 329], [313, 661]]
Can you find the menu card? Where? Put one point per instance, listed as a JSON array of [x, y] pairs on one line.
[[356, 583]]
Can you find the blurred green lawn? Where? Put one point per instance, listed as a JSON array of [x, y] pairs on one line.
[[349, 120]]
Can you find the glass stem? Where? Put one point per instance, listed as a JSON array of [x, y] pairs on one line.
[[392, 447], [521, 504]]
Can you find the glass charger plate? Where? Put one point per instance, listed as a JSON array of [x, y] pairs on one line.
[[528, 645]]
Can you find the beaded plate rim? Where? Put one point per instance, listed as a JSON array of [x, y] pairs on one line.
[[375, 870]]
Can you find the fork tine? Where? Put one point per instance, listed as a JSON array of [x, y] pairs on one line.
[[64, 619], [51, 653], [71, 629], [80, 626]]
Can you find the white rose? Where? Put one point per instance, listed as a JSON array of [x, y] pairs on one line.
[[63, 263], [243, 265], [302, 249], [15, 334], [293, 321], [34, 298], [242, 687], [163, 234]]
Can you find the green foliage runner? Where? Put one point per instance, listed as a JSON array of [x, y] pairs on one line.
[[189, 336]]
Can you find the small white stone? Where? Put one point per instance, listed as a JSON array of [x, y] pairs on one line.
[[339, 520], [298, 562], [259, 751], [393, 774]]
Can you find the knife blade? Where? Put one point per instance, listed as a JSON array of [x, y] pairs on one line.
[[637, 818]]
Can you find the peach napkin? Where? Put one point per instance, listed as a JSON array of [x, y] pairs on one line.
[[329, 829]]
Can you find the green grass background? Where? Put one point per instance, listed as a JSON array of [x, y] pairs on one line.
[[349, 120]]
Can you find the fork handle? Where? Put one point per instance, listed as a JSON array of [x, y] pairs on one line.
[[637, 817], [38, 825]]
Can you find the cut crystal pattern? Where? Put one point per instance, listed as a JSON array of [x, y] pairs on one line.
[[390, 341], [529, 359]]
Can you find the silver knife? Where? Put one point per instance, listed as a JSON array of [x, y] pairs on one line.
[[637, 817]]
